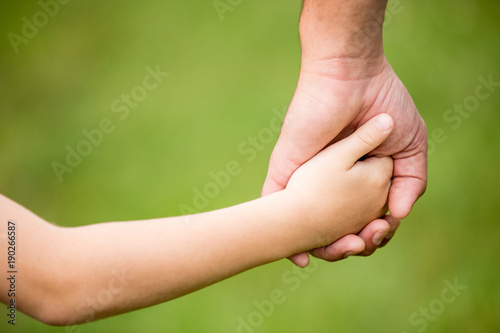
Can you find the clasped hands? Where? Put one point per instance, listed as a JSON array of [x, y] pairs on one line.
[[329, 104]]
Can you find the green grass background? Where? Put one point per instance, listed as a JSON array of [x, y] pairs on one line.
[[225, 79]]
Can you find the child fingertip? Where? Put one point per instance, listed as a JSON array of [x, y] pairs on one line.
[[383, 122]]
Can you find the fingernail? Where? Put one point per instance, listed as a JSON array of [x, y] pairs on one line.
[[350, 253], [389, 235], [379, 237], [383, 122]]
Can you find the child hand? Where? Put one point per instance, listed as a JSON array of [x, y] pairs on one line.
[[336, 193]]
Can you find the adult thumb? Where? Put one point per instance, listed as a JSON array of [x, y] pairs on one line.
[[366, 138]]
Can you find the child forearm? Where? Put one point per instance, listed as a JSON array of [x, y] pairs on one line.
[[167, 258], [105, 269]]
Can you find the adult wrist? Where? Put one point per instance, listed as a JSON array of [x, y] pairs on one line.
[[345, 69], [363, 42]]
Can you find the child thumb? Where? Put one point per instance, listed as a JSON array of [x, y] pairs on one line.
[[367, 137]]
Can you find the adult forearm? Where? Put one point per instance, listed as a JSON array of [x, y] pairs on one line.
[[338, 30]]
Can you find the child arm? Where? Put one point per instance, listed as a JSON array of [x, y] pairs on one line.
[[73, 275]]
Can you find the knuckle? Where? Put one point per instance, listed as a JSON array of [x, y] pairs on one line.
[[366, 137]]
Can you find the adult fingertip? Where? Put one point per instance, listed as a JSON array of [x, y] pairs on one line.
[[399, 207], [300, 259], [356, 245], [403, 194], [379, 237]]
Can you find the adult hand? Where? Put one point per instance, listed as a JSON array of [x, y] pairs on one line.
[[345, 80], [328, 106]]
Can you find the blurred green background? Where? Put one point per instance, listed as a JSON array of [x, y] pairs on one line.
[[226, 77]]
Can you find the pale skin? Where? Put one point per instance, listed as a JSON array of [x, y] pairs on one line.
[[63, 269], [345, 80]]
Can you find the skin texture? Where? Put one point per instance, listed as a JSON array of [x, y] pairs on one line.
[[67, 272], [345, 80]]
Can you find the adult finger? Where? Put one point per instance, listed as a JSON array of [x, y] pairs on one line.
[[373, 235], [408, 184], [394, 225], [342, 248], [300, 259]]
